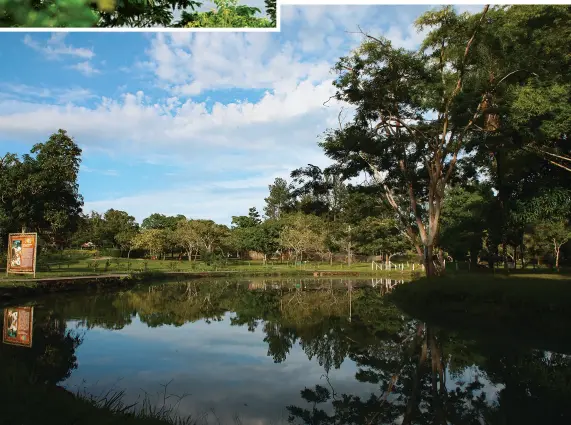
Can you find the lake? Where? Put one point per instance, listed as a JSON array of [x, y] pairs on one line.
[[269, 351]]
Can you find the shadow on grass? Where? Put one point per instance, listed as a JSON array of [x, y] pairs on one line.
[[528, 310]]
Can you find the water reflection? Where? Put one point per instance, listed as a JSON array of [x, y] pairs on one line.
[[18, 326], [309, 351]]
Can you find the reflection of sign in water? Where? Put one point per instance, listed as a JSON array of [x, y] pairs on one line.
[[18, 326], [22, 253]]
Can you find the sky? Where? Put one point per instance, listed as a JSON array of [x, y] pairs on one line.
[[188, 123]]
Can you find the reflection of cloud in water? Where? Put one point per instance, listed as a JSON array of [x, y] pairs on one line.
[[470, 374], [224, 368]]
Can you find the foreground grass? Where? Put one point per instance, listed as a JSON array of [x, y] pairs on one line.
[[530, 307], [24, 404]]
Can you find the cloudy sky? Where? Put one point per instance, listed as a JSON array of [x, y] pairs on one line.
[[197, 124]]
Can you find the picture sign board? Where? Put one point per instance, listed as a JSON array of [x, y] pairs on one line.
[[22, 248], [18, 326]]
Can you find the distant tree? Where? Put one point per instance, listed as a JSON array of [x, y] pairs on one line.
[[302, 233], [465, 219], [246, 221], [152, 240], [319, 192], [188, 237], [161, 221], [279, 200], [209, 234], [374, 235], [553, 235], [119, 227]]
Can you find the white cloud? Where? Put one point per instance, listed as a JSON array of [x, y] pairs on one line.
[[263, 137], [85, 68], [23, 92], [55, 48]]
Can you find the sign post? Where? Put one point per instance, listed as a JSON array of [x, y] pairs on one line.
[[22, 250], [18, 326]]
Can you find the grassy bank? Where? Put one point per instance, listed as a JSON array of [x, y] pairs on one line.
[[532, 308], [77, 263], [25, 404], [19, 288]]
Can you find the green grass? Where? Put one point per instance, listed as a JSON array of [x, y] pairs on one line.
[[533, 308], [77, 265], [25, 404]]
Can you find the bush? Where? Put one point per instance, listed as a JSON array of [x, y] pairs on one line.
[[110, 252]]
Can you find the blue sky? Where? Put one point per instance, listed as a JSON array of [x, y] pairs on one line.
[[192, 123]]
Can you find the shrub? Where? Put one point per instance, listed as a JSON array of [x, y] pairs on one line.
[[110, 252]]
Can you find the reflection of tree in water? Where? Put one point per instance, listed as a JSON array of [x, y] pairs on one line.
[[411, 375], [420, 372], [50, 360]]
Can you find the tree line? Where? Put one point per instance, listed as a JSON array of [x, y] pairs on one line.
[[464, 143]]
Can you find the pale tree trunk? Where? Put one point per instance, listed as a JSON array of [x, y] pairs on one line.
[[557, 251]]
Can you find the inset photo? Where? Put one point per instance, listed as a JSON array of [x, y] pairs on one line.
[[257, 15]]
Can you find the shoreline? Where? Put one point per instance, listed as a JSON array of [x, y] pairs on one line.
[[13, 289]]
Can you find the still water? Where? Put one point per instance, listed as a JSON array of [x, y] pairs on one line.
[[311, 351]]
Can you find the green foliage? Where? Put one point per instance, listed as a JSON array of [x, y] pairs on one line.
[[466, 215], [161, 221], [144, 13], [39, 192], [228, 14], [51, 13], [110, 252], [271, 8], [279, 200], [130, 13]]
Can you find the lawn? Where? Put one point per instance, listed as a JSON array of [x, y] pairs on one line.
[[533, 307], [76, 263]]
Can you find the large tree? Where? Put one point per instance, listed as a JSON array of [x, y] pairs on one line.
[[410, 119], [39, 192], [523, 67]]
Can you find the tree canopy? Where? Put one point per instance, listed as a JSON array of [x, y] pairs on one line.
[[132, 13]]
